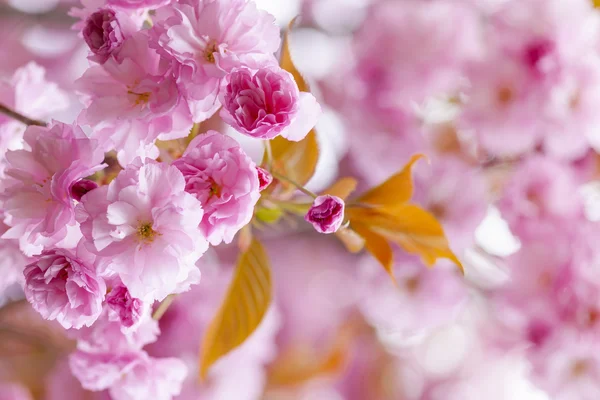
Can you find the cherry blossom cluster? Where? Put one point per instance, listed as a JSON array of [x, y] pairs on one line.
[[97, 250]]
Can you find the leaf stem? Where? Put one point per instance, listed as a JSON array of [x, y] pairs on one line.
[[298, 186], [163, 307], [19, 117]]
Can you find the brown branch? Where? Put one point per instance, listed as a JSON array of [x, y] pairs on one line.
[[19, 117]]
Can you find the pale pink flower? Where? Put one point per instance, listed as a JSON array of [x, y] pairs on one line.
[[209, 38], [99, 371], [535, 195], [420, 301], [129, 309], [148, 228], [326, 214], [151, 378], [501, 102], [264, 178], [38, 202], [134, 84], [266, 103], [12, 263], [105, 31], [138, 3], [63, 287], [225, 181], [29, 93], [568, 367], [109, 335], [410, 50]]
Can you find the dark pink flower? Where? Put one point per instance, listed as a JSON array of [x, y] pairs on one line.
[[63, 287], [104, 32], [264, 178], [326, 214], [266, 103]]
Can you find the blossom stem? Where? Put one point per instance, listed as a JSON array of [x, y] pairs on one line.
[[301, 188], [269, 152], [19, 117], [163, 307]]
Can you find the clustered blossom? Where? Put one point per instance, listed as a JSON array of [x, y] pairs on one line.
[[106, 216]]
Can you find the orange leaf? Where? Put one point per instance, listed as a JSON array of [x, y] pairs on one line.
[[287, 63], [396, 189], [296, 160], [377, 246], [416, 230], [342, 188], [244, 307]]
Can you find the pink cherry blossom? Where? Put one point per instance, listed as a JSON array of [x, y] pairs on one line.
[[208, 38], [155, 378], [147, 226], [267, 103], [105, 31], [224, 179], [38, 202], [110, 336], [129, 309], [135, 84], [326, 214], [63, 287], [138, 3], [535, 195], [407, 51], [31, 94]]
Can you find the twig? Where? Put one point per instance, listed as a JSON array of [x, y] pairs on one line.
[[19, 117], [298, 186]]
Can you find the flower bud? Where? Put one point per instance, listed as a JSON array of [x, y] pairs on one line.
[[264, 178], [326, 214]]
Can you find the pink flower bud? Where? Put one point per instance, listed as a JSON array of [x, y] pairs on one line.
[[326, 214], [80, 188], [264, 178], [104, 34]]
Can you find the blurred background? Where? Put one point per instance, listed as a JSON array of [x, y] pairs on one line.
[[501, 97]]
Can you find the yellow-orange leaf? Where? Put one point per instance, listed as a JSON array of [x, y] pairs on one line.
[[246, 302], [378, 246], [342, 188], [288, 64], [396, 189], [296, 160], [414, 229]]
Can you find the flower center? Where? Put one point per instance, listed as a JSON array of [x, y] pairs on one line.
[[145, 233], [209, 52], [504, 95], [140, 98], [215, 190]]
